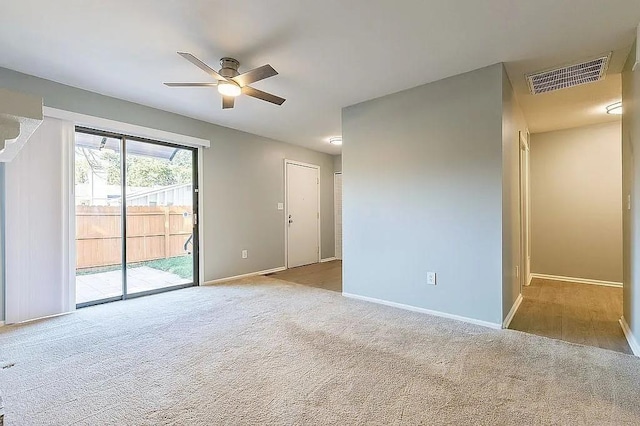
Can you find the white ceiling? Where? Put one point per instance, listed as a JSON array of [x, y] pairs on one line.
[[330, 53]]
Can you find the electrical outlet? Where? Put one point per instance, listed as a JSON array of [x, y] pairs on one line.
[[245, 254], [431, 278]]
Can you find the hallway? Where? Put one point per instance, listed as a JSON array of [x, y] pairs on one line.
[[577, 313], [327, 275]]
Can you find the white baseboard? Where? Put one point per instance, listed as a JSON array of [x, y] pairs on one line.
[[576, 280], [633, 343], [45, 317], [424, 311], [250, 274], [328, 259], [512, 312]]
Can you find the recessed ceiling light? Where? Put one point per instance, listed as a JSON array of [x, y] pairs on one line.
[[229, 89], [337, 140], [615, 109]]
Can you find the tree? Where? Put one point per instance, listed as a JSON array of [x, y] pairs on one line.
[[82, 169], [149, 171]]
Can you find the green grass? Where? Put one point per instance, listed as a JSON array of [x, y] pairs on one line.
[[98, 270], [181, 266]]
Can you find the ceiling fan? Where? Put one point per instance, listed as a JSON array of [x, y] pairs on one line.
[[230, 82]]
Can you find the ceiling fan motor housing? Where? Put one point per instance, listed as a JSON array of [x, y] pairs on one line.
[[229, 67]]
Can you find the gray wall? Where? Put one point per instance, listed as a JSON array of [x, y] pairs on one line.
[[424, 193], [631, 173], [243, 177], [576, 202], [513, 123], [337, 163]]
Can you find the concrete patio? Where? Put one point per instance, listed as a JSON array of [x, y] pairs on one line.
[[104, 285]]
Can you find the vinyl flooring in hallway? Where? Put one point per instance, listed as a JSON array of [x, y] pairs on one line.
[[327, 275], [577, 313]]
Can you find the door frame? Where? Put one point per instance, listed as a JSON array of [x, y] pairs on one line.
[[524, 207], [335, 211], [286, 209], [197, 179]]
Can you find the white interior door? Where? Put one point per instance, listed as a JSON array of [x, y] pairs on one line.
[[302, 214], [337, 202]]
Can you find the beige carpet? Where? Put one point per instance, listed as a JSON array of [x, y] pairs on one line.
[[263, 351]]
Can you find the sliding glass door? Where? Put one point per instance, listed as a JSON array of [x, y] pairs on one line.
[[153, 186], [159, 194], [99, 251]]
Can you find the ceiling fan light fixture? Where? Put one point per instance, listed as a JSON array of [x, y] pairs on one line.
[[230, 82], [229, 89], [336, 140], [615, 109]]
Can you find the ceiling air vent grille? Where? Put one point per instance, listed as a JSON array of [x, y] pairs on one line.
[[570, 76]]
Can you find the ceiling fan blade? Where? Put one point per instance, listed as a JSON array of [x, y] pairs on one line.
[[191, 84], [198, 63], [254, 75], [227, 102], [259, 94]]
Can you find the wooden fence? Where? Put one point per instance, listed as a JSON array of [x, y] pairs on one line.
[[152, 233]]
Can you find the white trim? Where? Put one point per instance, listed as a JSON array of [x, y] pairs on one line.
[[286, 209], [45, 317], [524, 210], [577, 280], [125, 128], [69, 219], [335, 212], [1, 323], [328, 259], [250, 274], [636, 66], [201, 215], [512, 312], [633, 343], [285, 216], [303, 164], [424, 311]]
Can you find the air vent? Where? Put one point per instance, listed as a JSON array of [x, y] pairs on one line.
[[569, 76]]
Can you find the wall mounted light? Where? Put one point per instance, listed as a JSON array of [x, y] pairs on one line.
[[615, 109], [336, 140]]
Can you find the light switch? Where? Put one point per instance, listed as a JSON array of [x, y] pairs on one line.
[[280, 206], [629, 202]]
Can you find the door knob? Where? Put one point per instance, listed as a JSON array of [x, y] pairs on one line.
[[290, 221]]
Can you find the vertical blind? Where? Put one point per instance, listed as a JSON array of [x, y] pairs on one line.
[[38, 250]]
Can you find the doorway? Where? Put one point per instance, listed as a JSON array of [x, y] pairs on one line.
[[136, 216], [302, 213], [525, 244], [571, 236]]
